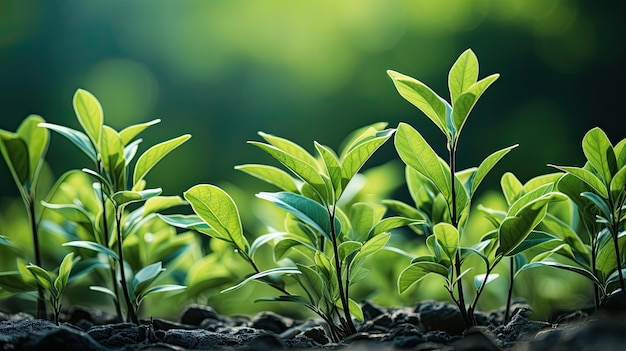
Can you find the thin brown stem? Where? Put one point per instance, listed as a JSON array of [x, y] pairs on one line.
[[509, 297]]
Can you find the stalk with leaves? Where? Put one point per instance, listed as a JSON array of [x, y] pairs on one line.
[[322, 247], [115, 185], [24, 152], [454, 189]]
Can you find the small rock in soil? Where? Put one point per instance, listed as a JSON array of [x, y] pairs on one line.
[[436, 315], [196, 314], [270, 321]]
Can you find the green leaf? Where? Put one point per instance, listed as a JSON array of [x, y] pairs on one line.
[[112, 152], [162, 288], [219, 211], [601, 203], [36, 139], [363, 216], [599, 151], [417, 153], [260, 275], [263, 239], [129, 133], [511, 187], [145, 276], [463, 74], [15, 153], [514, 230], [534, 239], [281, 248], [64, 272], [307, 210], [448, 237], [358, 155], [348, 247], [89, 113], [618, 183], [271, 175], [307, 172], [422, 97], [589, 178], [390, 223], [89, 245], [77, 138], [104, 290], [417, 271], [41, 276], [585, 273], [160, 203], [14, 282], [355, 310], [333, 168], [154, 154], [479, 279], [289, 147], [373, 245], [314, 280], [125, 197], [193, 222], [487, 165], [464, 104], [71, 212]]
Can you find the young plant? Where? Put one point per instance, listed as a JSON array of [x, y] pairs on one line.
[[328, 244], [112, 153], [54, 287], [599, 191], [452, 190], [24, 153]]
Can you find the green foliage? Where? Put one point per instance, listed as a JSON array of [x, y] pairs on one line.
[[444, 194], [106, 220], [54, 287], [322, 248]]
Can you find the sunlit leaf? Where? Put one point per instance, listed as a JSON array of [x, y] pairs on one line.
[[422, 97], [271, 175], [90, 245], [125, 197], [487, 165], [417, 153], [41, 276], [448, 237], [355, 158], [15, 153], [260, 275], [153, 155], [463, 74], [479, 279], [348, 247], [129, 133], [290, 148], [464, 104], [78, 138], [160, 203], [417, 271], [333, 168], [307, 210], [89, 113], [219, 211], [64, 272], [36, 139], [587, 177], [585, 273], [599, 151]]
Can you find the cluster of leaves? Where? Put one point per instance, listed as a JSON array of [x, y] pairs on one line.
[[95, 215], [322, 247], [570, 220]]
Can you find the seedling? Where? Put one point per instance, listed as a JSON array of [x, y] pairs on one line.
[[329, 244], [451, 191], [112, 153], [24, 153], [54, 287], [599, 191]]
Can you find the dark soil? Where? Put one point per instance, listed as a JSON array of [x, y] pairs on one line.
[[429, 325]]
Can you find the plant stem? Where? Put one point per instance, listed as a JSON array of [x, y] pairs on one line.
[[455, 222], [594, 250], [614, 233], [507, 313], [41, 303], [343, 294], [112, 270], [120, 252]]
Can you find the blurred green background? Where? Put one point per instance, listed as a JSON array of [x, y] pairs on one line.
[[311, 70]]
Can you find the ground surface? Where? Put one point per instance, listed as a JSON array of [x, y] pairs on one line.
[[429, 325]]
